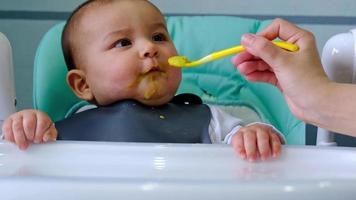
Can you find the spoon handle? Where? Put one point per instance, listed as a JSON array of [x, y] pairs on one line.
[[240, 48]]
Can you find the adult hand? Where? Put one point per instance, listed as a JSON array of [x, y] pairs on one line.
[[298, 75]]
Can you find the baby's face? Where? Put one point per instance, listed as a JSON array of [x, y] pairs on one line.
[[125, 48]]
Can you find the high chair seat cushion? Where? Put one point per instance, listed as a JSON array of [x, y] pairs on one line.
[[216, 83]]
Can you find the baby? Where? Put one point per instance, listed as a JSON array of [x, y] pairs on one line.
[[117, 55]]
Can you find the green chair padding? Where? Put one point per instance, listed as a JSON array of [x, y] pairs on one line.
[[216, 82]]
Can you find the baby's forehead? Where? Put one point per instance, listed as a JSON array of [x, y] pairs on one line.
[[126, 6], [99, 17]]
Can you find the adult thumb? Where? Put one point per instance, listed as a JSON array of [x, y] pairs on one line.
[[262, 48]]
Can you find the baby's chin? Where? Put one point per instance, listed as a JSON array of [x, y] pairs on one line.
[[155, 101], [155, 93]]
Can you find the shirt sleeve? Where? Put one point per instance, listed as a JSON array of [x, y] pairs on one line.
[[223, 126]]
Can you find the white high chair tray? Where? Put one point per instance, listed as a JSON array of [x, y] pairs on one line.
[[103, 170]]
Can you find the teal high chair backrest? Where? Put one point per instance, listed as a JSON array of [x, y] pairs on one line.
[[216, 83]]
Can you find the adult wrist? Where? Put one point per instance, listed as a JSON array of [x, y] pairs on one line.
[[317, 110]]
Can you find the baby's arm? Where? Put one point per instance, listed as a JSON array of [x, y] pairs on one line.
[[28, 126], [257, 140]]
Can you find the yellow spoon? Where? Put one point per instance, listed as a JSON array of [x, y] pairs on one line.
[[182, 61]]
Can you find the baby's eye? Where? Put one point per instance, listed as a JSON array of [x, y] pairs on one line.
[[159, 37], [123, 43]]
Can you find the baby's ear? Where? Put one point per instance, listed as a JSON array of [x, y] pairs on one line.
[[76, 80]]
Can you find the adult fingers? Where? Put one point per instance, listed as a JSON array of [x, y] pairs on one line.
[[242, 57], [252, 66], [263, 48], [280, 28], [267, 77]]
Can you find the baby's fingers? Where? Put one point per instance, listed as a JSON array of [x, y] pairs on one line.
[[238, 145], [263, 144], [29, 125], [42, 126], [7, 130], [250, 141], [276, 145], [50, 134], [18, 132]]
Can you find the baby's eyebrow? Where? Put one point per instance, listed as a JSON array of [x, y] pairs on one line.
[[159, 25], [122, 31], [125, 31]]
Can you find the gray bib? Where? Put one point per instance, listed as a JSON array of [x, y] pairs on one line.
[[183, 120]]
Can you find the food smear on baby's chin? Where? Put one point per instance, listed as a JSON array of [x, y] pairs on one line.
[[152, 85], [148, 75], [149, 93], [150, 82]]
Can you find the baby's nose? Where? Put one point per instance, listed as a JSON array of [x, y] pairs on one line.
[[149, 49]]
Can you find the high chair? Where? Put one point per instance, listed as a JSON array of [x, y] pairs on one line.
[[339, 62], [7, 88], [217, 83], [108, 170]]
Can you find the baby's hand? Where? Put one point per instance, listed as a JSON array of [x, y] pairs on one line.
[[28, 126], [256, 140]]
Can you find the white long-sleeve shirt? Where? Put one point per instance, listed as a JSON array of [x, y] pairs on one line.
[[223, 126]]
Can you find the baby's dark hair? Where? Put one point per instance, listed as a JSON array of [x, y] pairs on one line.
[[69, 30], [67, 34]]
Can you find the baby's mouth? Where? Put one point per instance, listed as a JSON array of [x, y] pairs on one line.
[[149, 76], [153, 72], [152, 75], [153, 69], [151, 80]]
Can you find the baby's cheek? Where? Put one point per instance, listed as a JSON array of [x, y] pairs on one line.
[[175, 77]]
